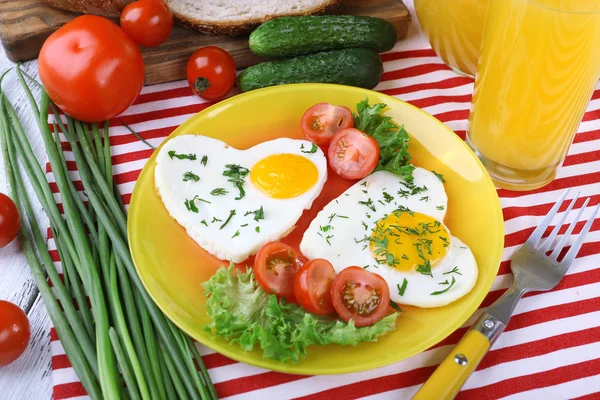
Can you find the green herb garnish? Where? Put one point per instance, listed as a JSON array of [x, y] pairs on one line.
[[446, 289], [219, 192], [236, 174], [440, 176], [231, 214], [190, 176], [258, 214], [191, 204], [402, 289], [313, 149], [204, 160], [368, 203], [237, 233], [173, 154], [453, 271], [393, 140]]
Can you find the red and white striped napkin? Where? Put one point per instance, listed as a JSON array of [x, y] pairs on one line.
[[550, 349]]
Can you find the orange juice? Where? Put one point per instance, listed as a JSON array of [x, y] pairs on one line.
[[539, 65], [454, 29]]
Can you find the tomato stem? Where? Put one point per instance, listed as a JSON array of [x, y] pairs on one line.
[[201, 84]]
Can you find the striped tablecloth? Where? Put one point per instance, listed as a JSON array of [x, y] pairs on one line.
[[550, 349]]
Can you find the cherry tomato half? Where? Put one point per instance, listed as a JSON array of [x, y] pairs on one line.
[[211, 73], [148, 22], [10, 223], [323, 120], [14, 332], [91, 69], [275, 266], [312, 286], [353, 154], [360, 295]]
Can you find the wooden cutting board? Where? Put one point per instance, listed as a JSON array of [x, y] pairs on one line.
[[25, 24]]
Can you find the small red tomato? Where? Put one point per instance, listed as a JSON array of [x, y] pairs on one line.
[[275, 266], [211, 73], [323, 120], [91, 69], [14, 332], [353, 154], [148, 22], [10, 223], [312, 286], [360, 295]]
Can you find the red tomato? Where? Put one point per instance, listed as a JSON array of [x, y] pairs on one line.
[[14, 332], [10, 223], [353, 154], [148, 22], [91, 69], [312, 286], [320, 122], [360, 295], [211, 73], [275, 266]]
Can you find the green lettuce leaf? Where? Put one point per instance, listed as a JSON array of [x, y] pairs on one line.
[[393, 140], [243, 313]]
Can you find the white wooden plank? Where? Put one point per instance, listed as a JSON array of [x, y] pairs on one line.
[[28, 378]]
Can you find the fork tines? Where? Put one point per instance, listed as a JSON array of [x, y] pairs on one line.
[[535, 242]]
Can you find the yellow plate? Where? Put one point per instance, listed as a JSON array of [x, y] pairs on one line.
[[172, 266]]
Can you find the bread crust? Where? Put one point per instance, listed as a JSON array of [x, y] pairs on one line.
[[244, 27], [107, 8]]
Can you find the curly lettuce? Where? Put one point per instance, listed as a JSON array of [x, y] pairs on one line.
[[243, 313], [393, 140]]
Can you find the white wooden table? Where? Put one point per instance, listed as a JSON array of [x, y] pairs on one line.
[[28, 378]]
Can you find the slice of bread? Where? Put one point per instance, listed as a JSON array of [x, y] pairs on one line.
[[235, 17], [107, 8], [216, 17]]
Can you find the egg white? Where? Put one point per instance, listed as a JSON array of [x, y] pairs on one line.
[[225, 242], [351, 216]]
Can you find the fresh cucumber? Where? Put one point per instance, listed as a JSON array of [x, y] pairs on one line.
[[353, 67], [292, 36]]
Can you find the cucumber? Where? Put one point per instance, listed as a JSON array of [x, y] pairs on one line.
[[292, 36], [353, 67]]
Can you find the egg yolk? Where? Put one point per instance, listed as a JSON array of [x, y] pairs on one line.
[[409, 241], [283, 176]]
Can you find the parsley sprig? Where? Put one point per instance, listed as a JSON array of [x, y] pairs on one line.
[[393, 140]]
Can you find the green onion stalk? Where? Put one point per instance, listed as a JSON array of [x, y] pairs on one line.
[[124, 347]]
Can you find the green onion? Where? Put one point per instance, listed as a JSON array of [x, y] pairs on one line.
[[124, 331]]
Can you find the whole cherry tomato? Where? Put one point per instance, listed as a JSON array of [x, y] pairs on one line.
[[91, 69], [148, 22], [211, 73], [14, 332], [10, 223]]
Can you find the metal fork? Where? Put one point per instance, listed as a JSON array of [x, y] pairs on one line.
[[533, 270]]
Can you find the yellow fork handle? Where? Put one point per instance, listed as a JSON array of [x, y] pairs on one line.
[[454, 371]]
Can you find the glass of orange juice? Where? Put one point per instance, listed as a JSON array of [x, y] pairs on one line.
[[454, 29], [539, 65]]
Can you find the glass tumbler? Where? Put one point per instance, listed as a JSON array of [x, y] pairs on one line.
[[454, 29], [539, 65]]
